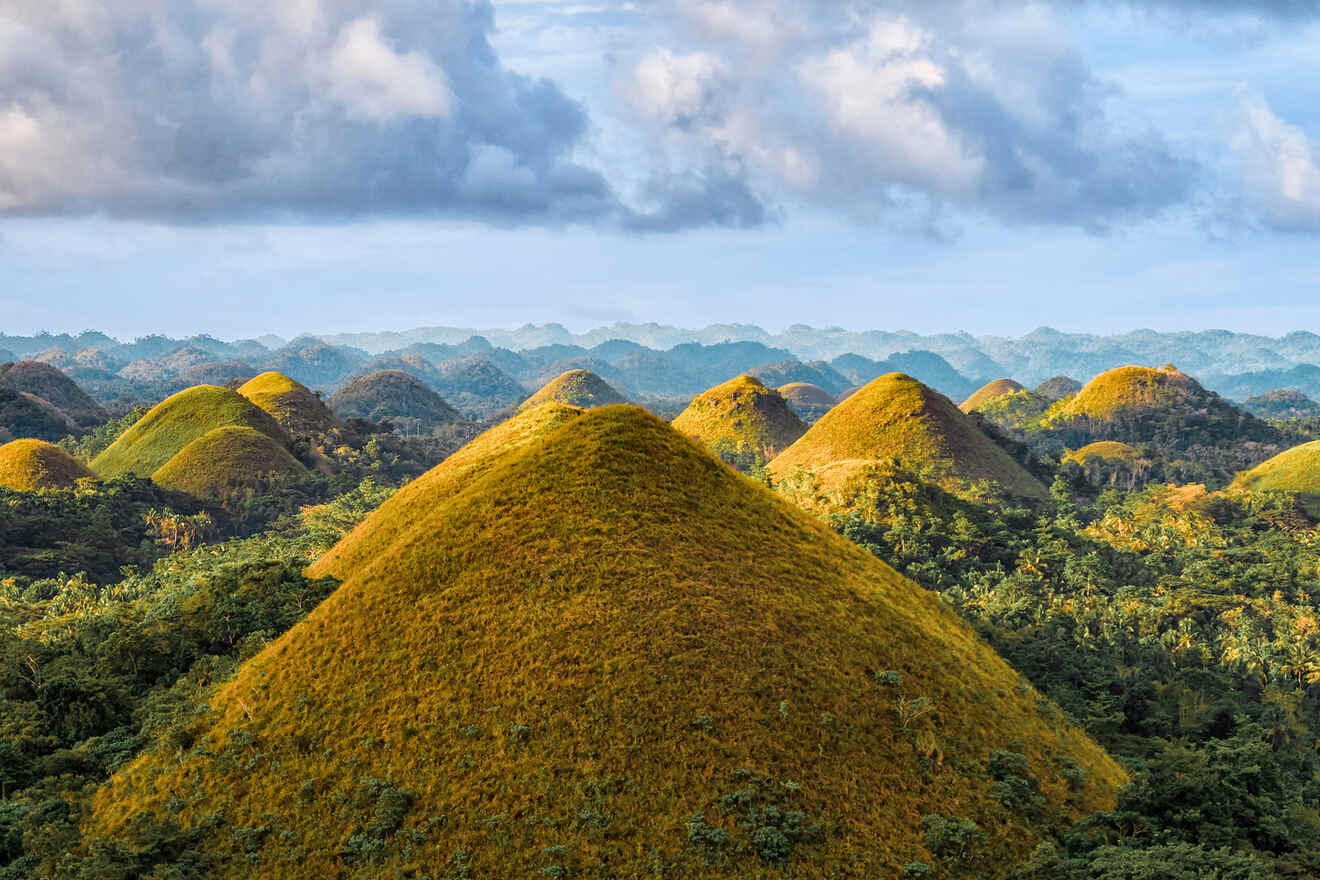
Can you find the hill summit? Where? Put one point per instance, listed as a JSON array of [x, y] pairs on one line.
[[51, 385], [897, 417], [227, 460], [601, 653], [291, 403], [810, 402], [741, 419], [29, 465], [395, 396], [581, 388], [990, 391]]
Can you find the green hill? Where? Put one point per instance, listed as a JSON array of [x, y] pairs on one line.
[[1102, 450], [395, 396], [29, 465], [991, 391], [225, 461], [291, 403], [741, 420], [897, 417], [604, 654], [810, 402], [175, 422], [48, 383], [580, 388], [1293, 470]]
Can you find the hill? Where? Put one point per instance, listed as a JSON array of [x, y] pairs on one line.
[[29, 465], [990, 391], [742, 421], [48, 383], [395, 396], [1284, 404], [580, 388], [810, 402], [1058, 388], [817, 373], [897, 417], [603, 654], [1293, 470], [175, 422], [291, 403], [1102, 451], [26, 415], [225, 461]]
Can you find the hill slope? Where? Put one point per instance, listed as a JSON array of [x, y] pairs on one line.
[[810, 402], [291, 403], [741, 418], [990, 391], [1293, 470], [396, 396], [177, 421], [607, 655], [224, 461], [26, 415], [896, 417], [28, 465], [581, 388], [48, 383]]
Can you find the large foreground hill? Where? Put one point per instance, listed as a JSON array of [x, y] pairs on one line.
[[588, 648]]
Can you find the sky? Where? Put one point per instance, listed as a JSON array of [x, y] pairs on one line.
[[241, 167]]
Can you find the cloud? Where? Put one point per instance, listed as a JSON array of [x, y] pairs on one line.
[[1279, 167], [231, 110]]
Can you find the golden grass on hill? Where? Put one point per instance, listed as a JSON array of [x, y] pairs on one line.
[[1293, 470], [989, 391], [1125, 389], [897, 417], [175, 422], [1102, 450], [227, 460], [292, 404], [809, 401], [741, 416], [30, 465], [581, 388], [568, 653]]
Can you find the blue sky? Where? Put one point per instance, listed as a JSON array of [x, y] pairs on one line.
[[239, 167]]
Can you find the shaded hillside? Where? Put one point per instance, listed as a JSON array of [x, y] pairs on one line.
[[1285, 404], [897, 417], [316, 364], [579, 388], [742, 422], [394, 396], [177, 421], [1254, 383], [291, 403], [817, 373], [475, 384], [1058, 388], [26, 415], [51, 385], [808, 401], [28, 465], [225, 462], [618, 659]]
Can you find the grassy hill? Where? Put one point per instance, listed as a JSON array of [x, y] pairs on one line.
[[225, 461], [396, 396], [741, 420], [810, 402], [1293, 470], [26, 415], [581, 388], [600, 653], [28, 465], [897, 417], [990, 391], [291, 403], [48, 383], [1102, 450], [175, 422], [1006, 404]]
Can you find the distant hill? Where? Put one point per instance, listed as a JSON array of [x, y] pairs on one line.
[[990, 391], [580, 388], [742, 421], [897, 417], [810, 402], [225, 461], [177, 421], [926, 367], [1058, 388], [1285, 404], [51, 385], [600, 653], [817, 373], [29, 465], [316, 364], [474, 383], [291, 403], [395, 396]]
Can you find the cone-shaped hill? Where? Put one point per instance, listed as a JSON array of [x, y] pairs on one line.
[[741, 418], [581, 388], [810, 402], [29, 465], [395, 396], [50, 384], [175, 422], [991, 391], [291, 403], [604, 654], [897, 417], [1058, 387], [1102, 450], [1293, 470], [227, 460]]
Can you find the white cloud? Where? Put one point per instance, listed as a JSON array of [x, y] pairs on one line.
[[376, 82], [1280, 167]]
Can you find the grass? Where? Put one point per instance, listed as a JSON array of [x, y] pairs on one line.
[[581, 388], [990, 391], [1293, 470], [590, 649], [744, 416], [1125, 389], [897, 417], [291, 403], [809, 401], [1102, 450], [30, 465], [396, 396], [225, 461], [175, 422]]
